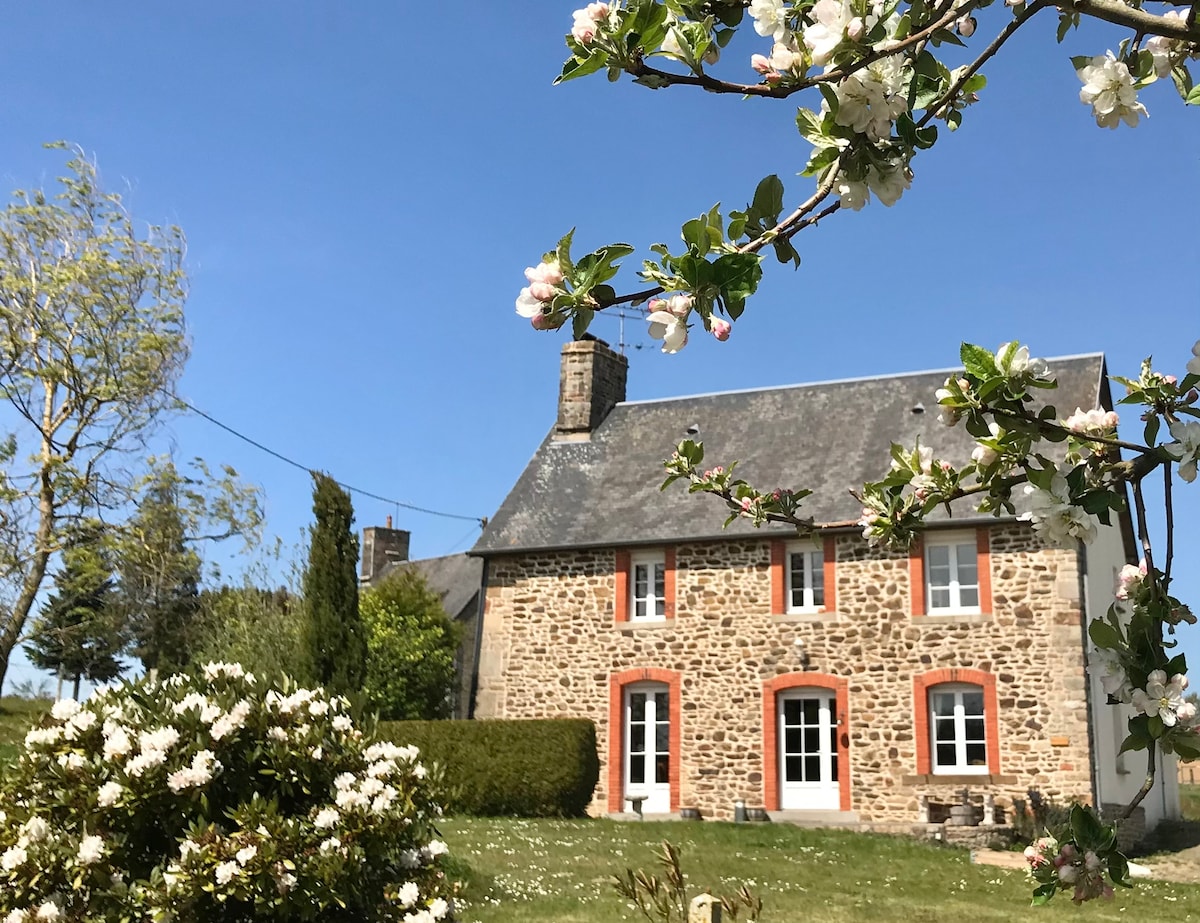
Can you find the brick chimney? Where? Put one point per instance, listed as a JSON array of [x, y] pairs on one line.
[[382, 546], [591, 382]]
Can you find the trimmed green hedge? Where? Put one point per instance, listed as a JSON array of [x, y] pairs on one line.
[[543, 768]]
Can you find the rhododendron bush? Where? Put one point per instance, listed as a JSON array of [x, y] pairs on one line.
[[880, 81], [212, 798]]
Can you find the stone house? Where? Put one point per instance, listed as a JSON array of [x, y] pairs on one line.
[[456, 578], [821, 680]]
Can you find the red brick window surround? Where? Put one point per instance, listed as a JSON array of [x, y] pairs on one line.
[[784, 556], [771, 690], [616, 730], [624, 605], [925, 684], [919, 572]]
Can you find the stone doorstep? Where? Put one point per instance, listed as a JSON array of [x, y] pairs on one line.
[[815, 818]]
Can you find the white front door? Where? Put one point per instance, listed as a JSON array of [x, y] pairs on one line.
[[808, 766], [647, 746]]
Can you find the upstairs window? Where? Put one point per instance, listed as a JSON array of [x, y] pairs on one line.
[[648, 587], [951, 573], [805, 577]]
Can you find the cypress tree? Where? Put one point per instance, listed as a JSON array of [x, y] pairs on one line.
[[334, 635]]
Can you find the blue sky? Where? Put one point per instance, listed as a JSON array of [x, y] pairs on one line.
[[362, 185]]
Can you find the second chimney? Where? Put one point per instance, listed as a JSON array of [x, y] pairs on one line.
[[591, 382], [381, 548]]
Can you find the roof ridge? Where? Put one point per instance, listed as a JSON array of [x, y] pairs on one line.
[[837, 381]]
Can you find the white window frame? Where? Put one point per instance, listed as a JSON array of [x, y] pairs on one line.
[[960, 767], [656, 795], [952, 541], [808, 549], [652, 602]]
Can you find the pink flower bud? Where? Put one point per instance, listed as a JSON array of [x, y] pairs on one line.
[[747, 503], [542, 291], [774, 78], [721, 329], [1170, 379], [760, 64], [547, 321], [597, 11], [856, 29], [549, 273], [679, 305]]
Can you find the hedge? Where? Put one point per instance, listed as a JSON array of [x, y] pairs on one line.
[[545, 768]]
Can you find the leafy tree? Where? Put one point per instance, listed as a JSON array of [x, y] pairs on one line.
[[80, 633], [333, 631], [260, 629], [160, 577], [411, 647], [158, 564], [92, 342]]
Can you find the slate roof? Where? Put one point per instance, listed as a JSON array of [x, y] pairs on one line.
[[826, 436], [456, 578]]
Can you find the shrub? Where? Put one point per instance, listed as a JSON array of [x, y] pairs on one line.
[[1037, 818], [198, 799], [545, 768]]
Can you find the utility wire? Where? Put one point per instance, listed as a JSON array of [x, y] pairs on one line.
[[480, 520]]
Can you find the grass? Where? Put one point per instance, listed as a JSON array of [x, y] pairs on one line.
[[16, 715], [560, 870]]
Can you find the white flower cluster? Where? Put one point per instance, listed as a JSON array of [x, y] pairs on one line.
[[1056, 518], [1109, 89], [871, 99], [587, 21], [1186, 447], [668, 321], [355, 804], [1164, 698], [1092, 422]]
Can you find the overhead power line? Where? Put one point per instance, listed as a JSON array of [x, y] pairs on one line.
[[480, 520]]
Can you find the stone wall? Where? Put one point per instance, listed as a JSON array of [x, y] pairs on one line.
[[551, 644]]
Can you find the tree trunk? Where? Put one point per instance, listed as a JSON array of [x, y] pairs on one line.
[[75, 691]]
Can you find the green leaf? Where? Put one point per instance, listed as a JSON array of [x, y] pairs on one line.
[[581, 66], [811, 128], [1066, 22], [695, 235], [1182, 78], [1118, 870], [1085, 827], [581, 321], [1193, 97], [1104, 635], [1080, 61], [737, 275], [563, 251], [768, 198], [1151, 432], [977, 360]]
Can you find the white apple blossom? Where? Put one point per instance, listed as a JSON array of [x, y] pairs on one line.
[[147, 759], [983, 454], [35, 829], [1092, 422], [1106, 663], [109, 794], [1193, 365], [438, 908], [342, 723], [888, 185], [1012, 360], [670, 329], [1186, 447], [246, 854], [42, 737], [721, 329], [117, 744], [1109, 89], [435, 848], [1055, 518], [91, 849], [1161, 697], [852, 194], [1166, 52], [1130, 579], [17, 916], [770, 18], [231, 722], [71, 761], [527, 305], [48, 911], [83, 721], [326, 819], [275, 732], [831, 18], [162, 738], [200, 773]]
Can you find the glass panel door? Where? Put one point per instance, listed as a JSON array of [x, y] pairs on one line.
[[808, 773]]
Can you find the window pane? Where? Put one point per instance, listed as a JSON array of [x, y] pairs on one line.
[[976, 755], [637, 738], [637, 706], [792, 770], [944, 754], [660, 579], [939, 557], [943, 703], [939, 597], [967, 571], [812, 710], [943, 730], [637, 770], [974, 732], [660, 706], [639, 608], [797, 597], [791, 711], [973, 703], [817, 561], [833, 762], [660, 607], [791, 740], [662, 738], [797, 568], [641, 579], [662, 768], [968, 596], [812, 769], [812, 740]]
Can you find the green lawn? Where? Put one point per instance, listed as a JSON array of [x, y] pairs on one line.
[[546, 870], [16, 715]]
